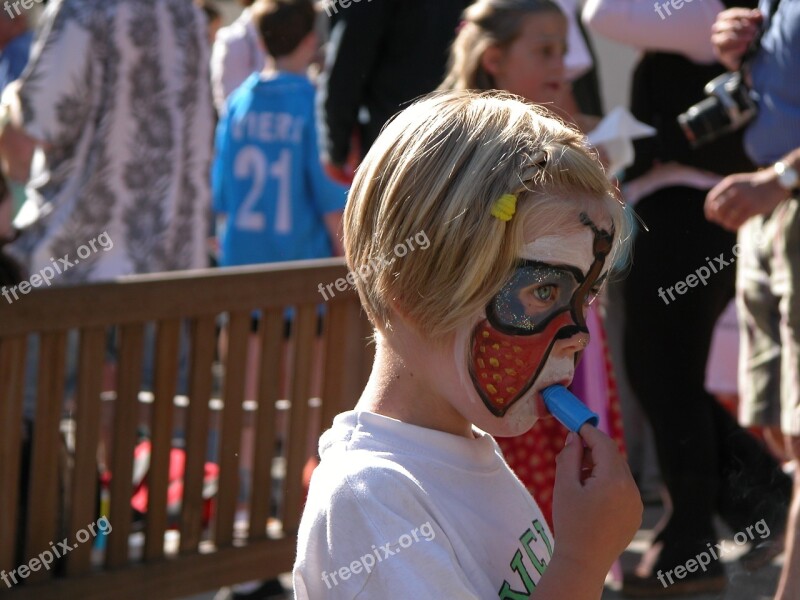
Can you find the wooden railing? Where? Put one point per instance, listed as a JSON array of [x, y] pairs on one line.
[[185, 309]]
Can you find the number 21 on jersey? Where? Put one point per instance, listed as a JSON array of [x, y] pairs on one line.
[[251, 163]]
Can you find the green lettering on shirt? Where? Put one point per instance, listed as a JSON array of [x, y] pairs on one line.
[[537, 525], [506, 593], [526, 540]]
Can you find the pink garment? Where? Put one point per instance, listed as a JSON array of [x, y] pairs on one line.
[[591, 382]]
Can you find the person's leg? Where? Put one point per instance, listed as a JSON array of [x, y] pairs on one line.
[[786, 282], [666, 345], [789, 584], [753, 485]]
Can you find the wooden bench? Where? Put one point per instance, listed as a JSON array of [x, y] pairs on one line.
[[205, 558]]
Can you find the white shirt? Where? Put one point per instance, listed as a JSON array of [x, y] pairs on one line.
[[685, 30], [237, 53], [119, 91], [397, 511]]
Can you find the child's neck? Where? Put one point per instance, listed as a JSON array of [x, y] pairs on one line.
[[285, 64], [397, 388]]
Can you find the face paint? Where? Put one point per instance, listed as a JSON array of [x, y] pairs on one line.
[[540, 304]]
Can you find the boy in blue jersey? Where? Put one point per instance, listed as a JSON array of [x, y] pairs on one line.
[[267, 178]]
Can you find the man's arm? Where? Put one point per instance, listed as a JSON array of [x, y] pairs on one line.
[[739, 197], [60, 73], [648, 27]]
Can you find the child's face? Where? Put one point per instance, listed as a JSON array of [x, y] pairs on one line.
[[531, 333], [533, 65]]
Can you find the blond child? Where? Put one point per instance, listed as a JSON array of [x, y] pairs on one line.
[[412, 498]]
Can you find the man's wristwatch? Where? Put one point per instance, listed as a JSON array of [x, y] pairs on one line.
[[788, 178]]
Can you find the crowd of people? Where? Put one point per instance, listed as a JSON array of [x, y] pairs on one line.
[[297, 133]]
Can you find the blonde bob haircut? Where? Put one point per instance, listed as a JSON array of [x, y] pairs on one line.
[[487, 23], [436, 171]]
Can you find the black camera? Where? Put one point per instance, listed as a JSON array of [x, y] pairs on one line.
[[730, 105]]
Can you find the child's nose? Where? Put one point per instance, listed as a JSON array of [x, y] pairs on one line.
[[571, 345]]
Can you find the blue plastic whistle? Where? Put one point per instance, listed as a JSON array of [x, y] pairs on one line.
[[565, 406]]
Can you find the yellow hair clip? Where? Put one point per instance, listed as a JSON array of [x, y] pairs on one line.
[[505, 207]]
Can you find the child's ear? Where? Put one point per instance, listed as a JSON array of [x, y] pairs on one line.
[[492, 60]]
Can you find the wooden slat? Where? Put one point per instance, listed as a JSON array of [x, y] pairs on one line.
[[337, 328], [44, 497], [306, 324], [129, 362], [230, 440], [164, 386], [271, 342], [164, 296], [203, 344], [12, 385], [169, 579], [87, 421]]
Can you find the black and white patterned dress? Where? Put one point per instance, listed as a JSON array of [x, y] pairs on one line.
[[119, 90]]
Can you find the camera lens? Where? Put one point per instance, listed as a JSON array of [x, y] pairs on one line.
[[704, 121]]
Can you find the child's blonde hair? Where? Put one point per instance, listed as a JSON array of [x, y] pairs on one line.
[[436, 171], [487, 23]]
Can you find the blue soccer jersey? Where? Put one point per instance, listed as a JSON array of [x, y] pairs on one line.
[[267, 178]]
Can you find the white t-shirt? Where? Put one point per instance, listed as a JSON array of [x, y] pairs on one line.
[[397, 511], [237, 54]]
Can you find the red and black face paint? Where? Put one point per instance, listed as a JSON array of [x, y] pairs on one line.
[[540, 304]]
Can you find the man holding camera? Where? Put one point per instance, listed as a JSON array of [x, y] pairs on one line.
[[766, 205]]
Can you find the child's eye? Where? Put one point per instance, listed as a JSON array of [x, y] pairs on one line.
[[545, 292], [552, 50]]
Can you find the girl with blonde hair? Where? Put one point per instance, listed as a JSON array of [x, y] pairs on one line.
[[412, 498]]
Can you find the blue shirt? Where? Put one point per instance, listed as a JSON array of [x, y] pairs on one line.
[[267, 177], [776, 79], [14, 58]]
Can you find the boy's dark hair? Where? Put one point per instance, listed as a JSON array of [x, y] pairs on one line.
[[283, 24]]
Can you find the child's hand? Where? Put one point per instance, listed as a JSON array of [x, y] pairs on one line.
[[597, 508]]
